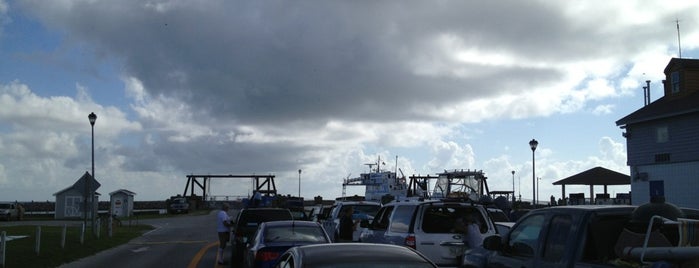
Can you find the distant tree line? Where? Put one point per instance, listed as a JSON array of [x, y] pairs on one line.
[[50, 206]]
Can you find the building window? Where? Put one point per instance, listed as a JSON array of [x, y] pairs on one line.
[[675, 80], [73, 206], [662, 157], [661, 134]]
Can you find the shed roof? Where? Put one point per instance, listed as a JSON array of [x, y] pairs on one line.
[[127, 192], [80, 184], [596, 176]]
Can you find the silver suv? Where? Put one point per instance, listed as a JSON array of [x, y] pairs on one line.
[[426, 226]]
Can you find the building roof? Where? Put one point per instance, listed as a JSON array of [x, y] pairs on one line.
[[682, 63], [662, 108], [665, 106], [596, 176], [80, 184], [127, 192]]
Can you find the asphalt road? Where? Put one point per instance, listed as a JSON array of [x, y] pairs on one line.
[[181, 241]]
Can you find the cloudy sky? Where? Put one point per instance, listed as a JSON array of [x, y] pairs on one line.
[[271, 87]]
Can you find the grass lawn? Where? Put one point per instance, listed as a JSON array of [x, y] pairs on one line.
[[22, 252]]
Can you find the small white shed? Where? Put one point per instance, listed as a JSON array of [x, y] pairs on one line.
[[70, 201], [121, 203]]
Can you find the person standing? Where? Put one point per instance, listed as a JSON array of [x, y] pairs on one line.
[[347, 226], [223, 227], [468, 226], [474, 238], [256, 199]]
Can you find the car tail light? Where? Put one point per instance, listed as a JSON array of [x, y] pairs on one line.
[[266, 255], [410, 241]]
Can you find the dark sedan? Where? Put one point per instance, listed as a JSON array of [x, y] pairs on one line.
[[274, 238], [350, 255], [247, 224]]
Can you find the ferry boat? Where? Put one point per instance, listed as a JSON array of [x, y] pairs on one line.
[[462, 184], [379, 185]]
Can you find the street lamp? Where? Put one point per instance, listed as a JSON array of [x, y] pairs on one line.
[[92, 117], [513, 188], [519, 185], [537, 187], [532, 144], [299, 182]]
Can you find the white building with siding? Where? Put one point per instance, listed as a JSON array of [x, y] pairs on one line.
[[662, 139]]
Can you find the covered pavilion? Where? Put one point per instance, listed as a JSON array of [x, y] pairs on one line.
[[592, 177]]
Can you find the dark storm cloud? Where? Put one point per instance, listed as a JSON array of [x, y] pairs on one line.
[[203, 157], [280, 61]]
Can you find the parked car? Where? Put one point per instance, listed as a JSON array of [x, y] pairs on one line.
[[320, 213], [428, 227], [571, 236], [363, 211], [246, 225], [178, 205], [497, 215], [299, 214], [351, 255], [9, 211], [273, 238]]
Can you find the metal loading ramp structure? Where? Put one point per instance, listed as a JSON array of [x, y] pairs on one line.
[[264, 184]]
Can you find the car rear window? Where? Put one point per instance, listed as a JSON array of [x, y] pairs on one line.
[[499, 216], [402, 218], [441, 219], [295, 234], [253, 218], [361, 211]]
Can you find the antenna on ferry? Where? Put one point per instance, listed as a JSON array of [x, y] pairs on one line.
[[370, 166], [397, 166]]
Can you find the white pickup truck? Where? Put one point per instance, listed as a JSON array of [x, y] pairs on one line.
[[9, 211]]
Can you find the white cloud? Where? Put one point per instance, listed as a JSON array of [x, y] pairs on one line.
[[46, 140], [450, 155], [165, 113], [603, 109]]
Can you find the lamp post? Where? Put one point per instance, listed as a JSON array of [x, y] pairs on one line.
[[537, 187], [532, 144], [92, 117], [299, 182], [519, 184], [513, 188]]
